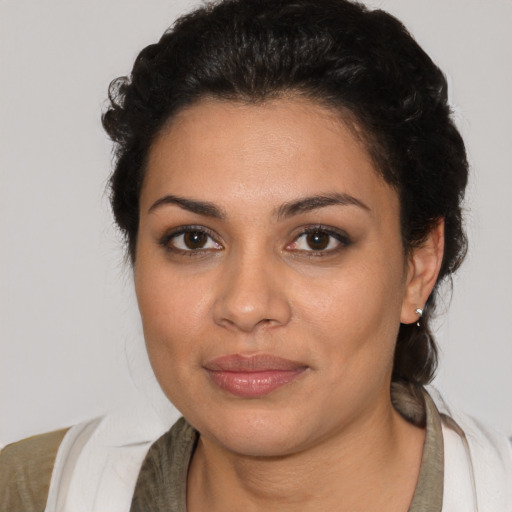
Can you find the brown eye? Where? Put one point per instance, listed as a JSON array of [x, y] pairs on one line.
[[318, 241], [191, 240], [195, 239]]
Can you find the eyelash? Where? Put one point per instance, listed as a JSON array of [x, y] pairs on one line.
[[339, 236], [165, 241]]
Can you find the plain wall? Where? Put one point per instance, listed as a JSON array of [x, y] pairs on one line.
[[67, 311]]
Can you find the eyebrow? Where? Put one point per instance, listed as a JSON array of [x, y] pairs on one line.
[[289, 209], [204, 208], [308, 204]]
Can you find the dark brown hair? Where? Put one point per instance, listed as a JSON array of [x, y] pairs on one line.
[[335, 52]]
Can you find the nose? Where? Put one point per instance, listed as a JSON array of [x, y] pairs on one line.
[[251, 295]]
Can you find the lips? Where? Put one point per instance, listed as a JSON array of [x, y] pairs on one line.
[[252, 376]]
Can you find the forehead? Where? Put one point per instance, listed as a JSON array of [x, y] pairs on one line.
[[266, 153]]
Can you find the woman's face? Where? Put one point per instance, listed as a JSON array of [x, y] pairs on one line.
[[270, 274]]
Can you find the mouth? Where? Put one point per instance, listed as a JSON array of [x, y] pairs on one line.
[[252, 376]]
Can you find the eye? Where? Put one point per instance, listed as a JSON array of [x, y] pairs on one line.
[[190, 240], [319, 240]]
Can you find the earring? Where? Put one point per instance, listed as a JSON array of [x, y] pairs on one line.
[[419, 312]]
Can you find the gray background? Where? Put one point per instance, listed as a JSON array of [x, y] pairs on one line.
[[67, 310]]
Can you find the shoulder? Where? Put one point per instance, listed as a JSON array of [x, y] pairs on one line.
[[25, 472], [477, 457], [485, 442]]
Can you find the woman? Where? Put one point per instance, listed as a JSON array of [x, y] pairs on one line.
[[289, 182]]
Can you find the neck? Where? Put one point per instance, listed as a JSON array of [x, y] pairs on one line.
[[373, 465]]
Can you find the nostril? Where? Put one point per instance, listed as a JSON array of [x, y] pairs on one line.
[[249, 297]]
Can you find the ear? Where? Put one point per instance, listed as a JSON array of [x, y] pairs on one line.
[[422, 271]]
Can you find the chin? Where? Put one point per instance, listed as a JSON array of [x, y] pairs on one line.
[[259, 444], [253, 434]]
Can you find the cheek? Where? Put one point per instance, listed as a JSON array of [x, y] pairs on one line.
[[173, 309], [356, 312], [173, 313]]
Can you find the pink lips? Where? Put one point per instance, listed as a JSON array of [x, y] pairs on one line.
[[252, 376]]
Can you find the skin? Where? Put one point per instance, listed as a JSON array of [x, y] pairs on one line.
[[330, 439]]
